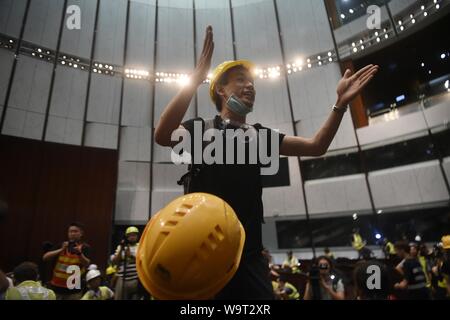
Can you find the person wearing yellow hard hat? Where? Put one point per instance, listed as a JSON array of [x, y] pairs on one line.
[[127, 282], [232, 91]]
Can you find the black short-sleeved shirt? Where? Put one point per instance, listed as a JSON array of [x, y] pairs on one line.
[[414, 273], [238, 184]]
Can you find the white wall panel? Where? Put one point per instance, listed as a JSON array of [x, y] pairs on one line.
[[340, 194], [69, 93], [79, 41], [407, 124], [64, 130], [141, 34], [104, 99], [11, 16], [43, 21], [407, 185], [439, 113], [110, 39], [6, 62], [217, 14], [133, 176], [397, 6], [305, 28], [135, 144], [101, 135], [256, 32], [132, 207], [175, 36], [313, 91], [137, 100], [31, 85], [21, 123]]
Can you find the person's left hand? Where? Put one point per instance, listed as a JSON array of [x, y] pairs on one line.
[[351, 84]]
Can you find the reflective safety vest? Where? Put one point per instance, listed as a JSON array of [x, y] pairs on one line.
[[60, 275], [357, 243], [103, 293], [30, 290], [424, 264]]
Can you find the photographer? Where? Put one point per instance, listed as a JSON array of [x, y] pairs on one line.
[[127, 285], [73, 252], [330, 285]]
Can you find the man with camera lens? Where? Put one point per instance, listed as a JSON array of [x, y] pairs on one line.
[[323, 283], [73, 252], [127, 285]]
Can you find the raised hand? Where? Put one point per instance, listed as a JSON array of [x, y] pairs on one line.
[[204, 64], [351, 84]]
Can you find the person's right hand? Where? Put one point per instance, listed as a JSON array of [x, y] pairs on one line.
[[204, 64], [65, 245]]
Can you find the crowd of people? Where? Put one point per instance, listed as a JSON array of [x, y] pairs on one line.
[[409, 270], [74, 276]]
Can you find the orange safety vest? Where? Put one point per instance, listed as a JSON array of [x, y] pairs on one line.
[[60, 276]]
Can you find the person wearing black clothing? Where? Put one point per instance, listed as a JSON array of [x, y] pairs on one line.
[[414, 279], [232, 91]]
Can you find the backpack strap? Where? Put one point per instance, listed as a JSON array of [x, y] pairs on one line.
[[193, 169]]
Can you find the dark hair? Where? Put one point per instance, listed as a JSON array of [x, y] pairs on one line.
[[77, 224], [26, 271], [402, 245], [326, 250], [325, 258], [361, 275], [223, 81]]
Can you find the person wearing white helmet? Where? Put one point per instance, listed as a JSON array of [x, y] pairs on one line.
[[127, 283], [232, 90], [96, 290]]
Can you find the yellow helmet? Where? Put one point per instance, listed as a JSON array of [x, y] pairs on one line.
[[224, 67], [131, 230], [190, 249], [111, 270], [446, 242]]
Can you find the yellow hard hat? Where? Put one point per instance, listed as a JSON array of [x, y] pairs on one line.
[[224, 67], [111, 270], [190, 249], [446, 242], [131, 230]]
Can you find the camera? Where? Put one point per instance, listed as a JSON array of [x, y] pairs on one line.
[[72, 248]]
